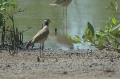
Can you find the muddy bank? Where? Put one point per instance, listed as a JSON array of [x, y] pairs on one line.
[[72, 64]]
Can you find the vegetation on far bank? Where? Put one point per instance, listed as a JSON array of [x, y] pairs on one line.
[[11, 36]]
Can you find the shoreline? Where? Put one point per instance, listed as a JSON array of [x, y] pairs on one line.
[[71, 64]]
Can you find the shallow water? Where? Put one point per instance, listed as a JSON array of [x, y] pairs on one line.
[[79, 13]]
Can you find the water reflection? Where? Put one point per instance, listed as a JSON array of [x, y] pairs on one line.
[[61, 40], [79, 13]]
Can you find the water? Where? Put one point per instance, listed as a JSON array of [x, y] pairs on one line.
[[79, 13]]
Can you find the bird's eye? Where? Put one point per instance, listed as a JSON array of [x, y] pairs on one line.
[[48, 20]]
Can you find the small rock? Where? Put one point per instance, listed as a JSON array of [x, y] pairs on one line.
[[38, 59], [56, 60], [109, 70], [90, 65], [8, 65], [111, 60], [65, 72]]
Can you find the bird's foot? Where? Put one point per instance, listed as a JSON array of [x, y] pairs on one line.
[[39, 59]]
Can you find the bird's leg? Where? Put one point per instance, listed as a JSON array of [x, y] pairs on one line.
[[63, 14], [66, 18], [42, 47], [38, 58], [32, 46], [63, 21], [66, 11]]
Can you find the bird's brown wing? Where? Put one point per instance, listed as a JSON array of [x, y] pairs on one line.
[[57, 2], [61, 1], [40, 36]]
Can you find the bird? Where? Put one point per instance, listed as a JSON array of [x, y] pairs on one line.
[[63, 3], [40, 37], [60, 3]]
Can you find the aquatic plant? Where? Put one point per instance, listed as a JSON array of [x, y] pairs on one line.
[[102, 39]]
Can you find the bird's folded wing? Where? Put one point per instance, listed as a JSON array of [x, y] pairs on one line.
[[57, 2], [40, 36]]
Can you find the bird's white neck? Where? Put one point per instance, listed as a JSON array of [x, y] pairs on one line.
[[46, 27]]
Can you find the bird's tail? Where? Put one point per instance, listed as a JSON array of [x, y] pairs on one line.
[[52, 4]]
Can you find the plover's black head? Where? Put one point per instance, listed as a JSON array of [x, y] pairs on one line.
[[47, 20]]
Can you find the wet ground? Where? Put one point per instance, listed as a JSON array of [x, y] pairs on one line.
[[72, 64]]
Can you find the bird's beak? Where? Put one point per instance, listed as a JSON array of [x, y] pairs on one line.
[[50, 22], [48, 5]]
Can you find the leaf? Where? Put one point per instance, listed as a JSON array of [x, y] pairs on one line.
[[100, 44], [112, 6], [89, 34], [113, 21], [76, 40], [91, 28], [2, 8], [77, 36], [86, 36], [116, 27], [68, 36], [5, 3], [13, 4], [73, 39], [116, 5], [101, 33]]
